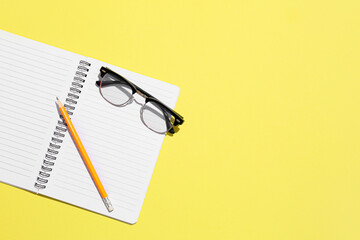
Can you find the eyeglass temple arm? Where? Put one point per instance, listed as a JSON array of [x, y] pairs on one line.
[[108, 83], [104, 70], [168, 123]]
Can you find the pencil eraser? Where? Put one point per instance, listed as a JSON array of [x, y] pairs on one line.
[[108, 204]]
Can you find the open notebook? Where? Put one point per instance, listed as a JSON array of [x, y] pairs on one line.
[[35, 153]]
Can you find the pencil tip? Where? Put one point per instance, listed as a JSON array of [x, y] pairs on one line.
[[57, 98]]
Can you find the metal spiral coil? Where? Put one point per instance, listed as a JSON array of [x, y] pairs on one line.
[[60, 129]]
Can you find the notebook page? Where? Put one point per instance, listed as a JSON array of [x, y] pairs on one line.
[[122, 150], [31, 75]]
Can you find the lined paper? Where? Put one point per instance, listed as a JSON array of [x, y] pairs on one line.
[[31, 75], [122, 150]]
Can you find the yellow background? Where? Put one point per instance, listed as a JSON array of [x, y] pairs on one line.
[[270, 95]]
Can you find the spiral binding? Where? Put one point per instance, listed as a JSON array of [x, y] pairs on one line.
[[60, 129]]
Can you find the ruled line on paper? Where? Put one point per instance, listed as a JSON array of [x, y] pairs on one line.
[[131, 115], [38, 56], [16, 142], [146, 144], [22, 116], [19, 155], [131, 149], [92, 189], [90, 184], [128, 130], [16, 166], [12, 171], [37, 61], [41, 74], [35, 87], [44, 117], [37, 78], [34, 66], [18, 95], [89, 196], [124, 156], [23, 159], [104, 156], [21, 131], [74, 191], [90, 193], [86, 176], [14, 136], [106, 168], [14, 97], [84, 171], [36, 49]]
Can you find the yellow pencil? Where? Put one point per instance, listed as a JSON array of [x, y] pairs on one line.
[[85, 157]]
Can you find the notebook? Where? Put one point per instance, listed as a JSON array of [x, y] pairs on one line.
[[36, 153]]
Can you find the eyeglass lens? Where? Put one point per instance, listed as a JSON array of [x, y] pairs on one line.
[[114, 91], [119, 93]]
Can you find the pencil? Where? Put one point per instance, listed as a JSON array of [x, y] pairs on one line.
[[85, 157]]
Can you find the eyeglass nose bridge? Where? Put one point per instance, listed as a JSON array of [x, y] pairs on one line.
[[141, 94]]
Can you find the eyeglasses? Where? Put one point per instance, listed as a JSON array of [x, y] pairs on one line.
[[119, 91]]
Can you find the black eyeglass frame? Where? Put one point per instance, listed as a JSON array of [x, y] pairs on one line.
[[178, 119]]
